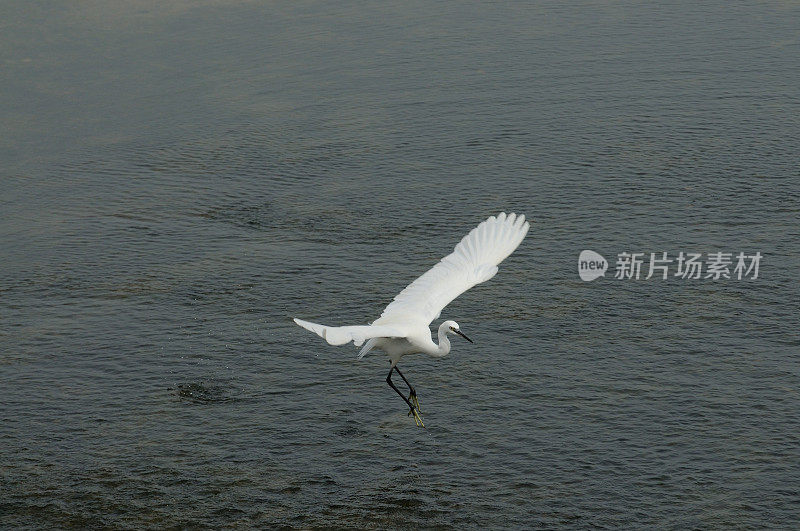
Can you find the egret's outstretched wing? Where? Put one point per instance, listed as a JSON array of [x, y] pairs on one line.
[[473, 261], [339, 335]]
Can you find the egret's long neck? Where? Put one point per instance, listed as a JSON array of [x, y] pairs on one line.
[[443, 348]]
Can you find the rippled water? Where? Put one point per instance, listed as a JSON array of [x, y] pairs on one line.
[[178, 182]]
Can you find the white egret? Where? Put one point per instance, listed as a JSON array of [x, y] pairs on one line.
[[403, 327]]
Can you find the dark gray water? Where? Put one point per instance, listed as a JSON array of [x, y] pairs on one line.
[[178, 182]]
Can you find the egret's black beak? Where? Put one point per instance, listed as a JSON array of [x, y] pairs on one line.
[[462, 335]]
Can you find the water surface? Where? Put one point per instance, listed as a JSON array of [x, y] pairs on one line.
[[178, 182]]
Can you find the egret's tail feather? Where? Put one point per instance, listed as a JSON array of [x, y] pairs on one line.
[[339, 335], [367, 347]]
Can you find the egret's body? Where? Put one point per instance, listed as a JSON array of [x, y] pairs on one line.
[[403, 327], [415, 343]]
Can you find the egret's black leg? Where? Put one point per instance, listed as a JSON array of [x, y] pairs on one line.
[[391, 384], [406, 381], [412, 393], [417, 419]]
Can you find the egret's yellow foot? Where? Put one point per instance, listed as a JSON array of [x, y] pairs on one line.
[[417, 417], [415, 401]]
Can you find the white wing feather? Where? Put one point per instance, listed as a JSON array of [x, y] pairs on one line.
[[474, 260], [339, 335]]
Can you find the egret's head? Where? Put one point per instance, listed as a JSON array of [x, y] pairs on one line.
[[453, 328]]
